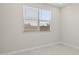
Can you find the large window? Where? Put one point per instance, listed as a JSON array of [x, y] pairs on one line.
[[36, 19]]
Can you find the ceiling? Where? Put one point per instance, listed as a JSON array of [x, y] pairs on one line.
[[59, 4]]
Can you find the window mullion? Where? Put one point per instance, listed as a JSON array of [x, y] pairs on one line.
[[38, 21]]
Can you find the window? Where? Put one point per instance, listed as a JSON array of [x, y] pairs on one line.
[[36, 19]]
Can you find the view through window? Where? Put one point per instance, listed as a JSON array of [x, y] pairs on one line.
[[36, 19]]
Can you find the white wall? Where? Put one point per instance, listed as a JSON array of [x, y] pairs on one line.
[[70, 24], [1, 34], [12, 35]]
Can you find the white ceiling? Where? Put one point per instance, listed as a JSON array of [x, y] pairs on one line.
[[59, 4]]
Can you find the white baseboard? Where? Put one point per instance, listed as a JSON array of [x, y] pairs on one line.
[[70, 45], [29, 49]]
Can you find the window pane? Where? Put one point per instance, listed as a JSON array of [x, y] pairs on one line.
[[30, 15], [44, 14], [30, 25], [44, 18]]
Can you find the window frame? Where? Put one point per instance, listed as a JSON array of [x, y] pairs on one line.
[[38, 18]]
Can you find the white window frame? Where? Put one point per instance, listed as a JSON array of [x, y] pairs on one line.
[[38, 18]]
